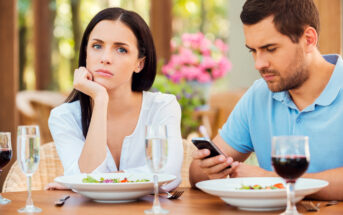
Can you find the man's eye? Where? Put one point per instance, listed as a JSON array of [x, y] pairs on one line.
[[96, 46], [122, 50], [271, 50]]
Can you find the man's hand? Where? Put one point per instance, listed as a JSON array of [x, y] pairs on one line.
[[246, 170], [214, 167], [83, 81]]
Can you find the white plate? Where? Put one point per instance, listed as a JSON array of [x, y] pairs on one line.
[[258, 200], [113, 192]]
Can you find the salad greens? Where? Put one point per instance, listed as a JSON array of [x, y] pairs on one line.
[[259, 187], [90, 179]]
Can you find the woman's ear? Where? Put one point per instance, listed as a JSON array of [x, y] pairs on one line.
[[140, 65], [310, 37]]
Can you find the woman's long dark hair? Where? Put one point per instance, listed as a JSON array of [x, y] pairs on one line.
[[140, 81]]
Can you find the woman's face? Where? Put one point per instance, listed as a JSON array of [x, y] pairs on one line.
[[112, 55]]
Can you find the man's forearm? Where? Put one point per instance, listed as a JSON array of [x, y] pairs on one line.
[[335, 189]]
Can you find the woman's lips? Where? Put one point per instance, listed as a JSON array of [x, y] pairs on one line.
[[104, 73]]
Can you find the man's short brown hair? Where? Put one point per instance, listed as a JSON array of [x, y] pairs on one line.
[[290, 16]]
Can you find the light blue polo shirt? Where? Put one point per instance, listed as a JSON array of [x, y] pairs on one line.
[[261, 114]]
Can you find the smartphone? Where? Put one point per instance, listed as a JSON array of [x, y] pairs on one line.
[[204, 143]]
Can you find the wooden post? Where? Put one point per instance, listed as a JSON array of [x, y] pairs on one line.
[[42, 43], [161, 26], [8, 74], [330, 36]]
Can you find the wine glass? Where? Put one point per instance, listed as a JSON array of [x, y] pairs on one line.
[[28, 141], [156, 151], [290, 158], [5, 157]]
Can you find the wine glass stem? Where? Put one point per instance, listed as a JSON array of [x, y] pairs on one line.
[[0, 190], [29, 202], [290, 197], [156, 203]]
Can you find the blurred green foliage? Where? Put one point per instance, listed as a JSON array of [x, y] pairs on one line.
[[208, 17]]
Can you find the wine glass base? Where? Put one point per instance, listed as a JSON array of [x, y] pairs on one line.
[[4, 201], [291, 212], [29, 209], [156, 210]]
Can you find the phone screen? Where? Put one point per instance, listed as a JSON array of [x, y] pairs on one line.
[[202, 143]]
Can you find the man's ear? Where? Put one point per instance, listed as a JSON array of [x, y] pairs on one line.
[[140, 65], [310, 38]]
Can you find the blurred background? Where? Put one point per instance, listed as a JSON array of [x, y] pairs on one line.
[[200, 45]]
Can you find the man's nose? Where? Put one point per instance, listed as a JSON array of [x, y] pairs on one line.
[[261, 62]]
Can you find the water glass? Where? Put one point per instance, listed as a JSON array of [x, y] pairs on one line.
[[156, 151], [28, 143], [5, 157], [290, 159]]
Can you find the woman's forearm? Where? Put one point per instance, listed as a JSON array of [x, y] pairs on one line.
[[94, 150]]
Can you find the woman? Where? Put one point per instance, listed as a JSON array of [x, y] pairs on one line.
[[101, 128]]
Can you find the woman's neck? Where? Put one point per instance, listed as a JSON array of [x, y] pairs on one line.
[[121, 101]]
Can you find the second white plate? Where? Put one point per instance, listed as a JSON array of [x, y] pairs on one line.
[[258, 200]]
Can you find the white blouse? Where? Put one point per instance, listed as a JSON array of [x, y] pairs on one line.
[[157, 108]]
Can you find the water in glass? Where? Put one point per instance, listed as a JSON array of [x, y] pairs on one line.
[[28, 143], [156, 149]]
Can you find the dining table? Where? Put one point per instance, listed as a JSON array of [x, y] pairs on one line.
[[192, 201]]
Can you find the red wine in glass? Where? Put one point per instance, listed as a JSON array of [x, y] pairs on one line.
[[290, 159], [290, 167], [5, 157]]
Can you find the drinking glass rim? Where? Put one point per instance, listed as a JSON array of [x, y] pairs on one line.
[[27, 126], [5, 132]]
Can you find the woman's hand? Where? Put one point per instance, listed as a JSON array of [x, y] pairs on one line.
[[55, 186], [84, 82]]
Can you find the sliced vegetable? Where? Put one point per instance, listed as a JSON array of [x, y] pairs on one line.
[[259, 187], [90, 179]]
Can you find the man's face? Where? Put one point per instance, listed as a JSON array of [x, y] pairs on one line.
[[280, 62]]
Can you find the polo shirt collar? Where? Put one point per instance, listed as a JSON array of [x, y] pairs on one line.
[[332, 89], [329, 93]]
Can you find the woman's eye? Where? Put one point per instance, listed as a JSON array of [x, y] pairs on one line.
[[96, 46], [122, 50]]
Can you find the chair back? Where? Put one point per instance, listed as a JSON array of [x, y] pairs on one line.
[[34, 108], [49, 167], [188, 149]]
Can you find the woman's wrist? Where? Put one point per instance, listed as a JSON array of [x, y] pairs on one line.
[[101, 99]]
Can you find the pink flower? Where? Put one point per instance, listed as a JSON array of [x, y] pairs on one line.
[[190, 73], [197, 58], [221, 45], [204, 77], [224, 64], [205, 47], [207, 63], [187, 56], [176, 77]]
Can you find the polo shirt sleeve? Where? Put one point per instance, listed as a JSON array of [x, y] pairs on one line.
[[235, 131]]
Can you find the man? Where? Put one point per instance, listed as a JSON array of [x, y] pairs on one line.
[[300, 93]]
